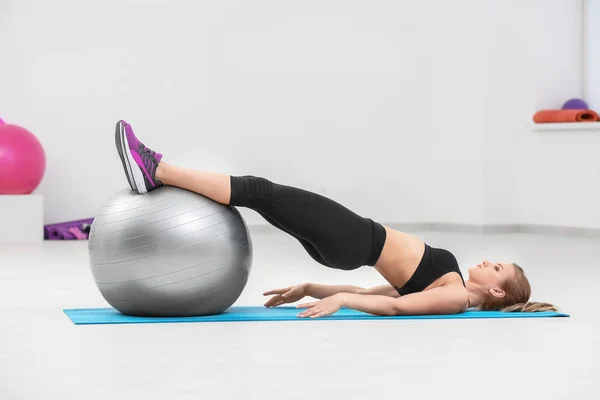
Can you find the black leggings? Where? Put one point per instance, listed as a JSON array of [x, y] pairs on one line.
[[332, 234]]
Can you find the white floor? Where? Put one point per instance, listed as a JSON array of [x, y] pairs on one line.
[[44, 356]]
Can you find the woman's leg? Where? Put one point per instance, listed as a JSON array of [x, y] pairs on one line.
[[332, 234], [213, 185], [217, 187], [309, 247]]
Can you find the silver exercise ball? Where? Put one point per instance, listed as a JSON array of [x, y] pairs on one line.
[[169, 253]]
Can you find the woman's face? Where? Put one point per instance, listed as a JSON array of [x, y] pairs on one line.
[[490, 274]]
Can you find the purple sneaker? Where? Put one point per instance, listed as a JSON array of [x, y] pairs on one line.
[[121, 149], [139, 161]]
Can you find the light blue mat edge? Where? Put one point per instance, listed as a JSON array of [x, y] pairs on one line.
[[102, 316]]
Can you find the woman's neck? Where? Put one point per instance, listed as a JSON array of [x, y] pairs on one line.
[[475, 293]]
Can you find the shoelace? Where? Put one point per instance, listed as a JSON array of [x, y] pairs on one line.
[[148, 150], [151, 152]]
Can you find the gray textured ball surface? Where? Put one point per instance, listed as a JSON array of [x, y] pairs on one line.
[[170, 252]]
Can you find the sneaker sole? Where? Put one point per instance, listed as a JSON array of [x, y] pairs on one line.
[[136, 171], [121, 151]]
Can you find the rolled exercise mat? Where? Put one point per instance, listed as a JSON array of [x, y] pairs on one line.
[[549, 116], [101, 316], [73, 230]]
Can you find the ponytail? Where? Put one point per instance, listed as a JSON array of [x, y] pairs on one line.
[[530, 306]]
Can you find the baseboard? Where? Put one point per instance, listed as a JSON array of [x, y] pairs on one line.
[[557, 230], [464, 228], [456, 228], [491, 229]]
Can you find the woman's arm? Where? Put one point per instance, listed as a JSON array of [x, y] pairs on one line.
[[383, 290], [441, 300], [321, 291]]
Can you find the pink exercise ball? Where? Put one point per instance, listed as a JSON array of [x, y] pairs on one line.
[[22, 160], [1, 122]]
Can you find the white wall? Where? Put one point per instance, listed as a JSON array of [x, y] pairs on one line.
[[560, 170], [534, 61], [504, 26], [335, 97], [400, 113], [591, 31]]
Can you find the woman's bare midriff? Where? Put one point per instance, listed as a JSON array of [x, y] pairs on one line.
[[400, 258]]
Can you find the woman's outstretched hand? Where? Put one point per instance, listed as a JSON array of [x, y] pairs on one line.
[[321, 308], [289, 294]]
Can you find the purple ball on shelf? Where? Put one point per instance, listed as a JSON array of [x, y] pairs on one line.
[[575, 104]]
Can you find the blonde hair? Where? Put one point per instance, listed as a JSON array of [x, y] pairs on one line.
[[516, 298]]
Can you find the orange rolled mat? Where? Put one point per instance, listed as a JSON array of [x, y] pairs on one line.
[[546, 116]]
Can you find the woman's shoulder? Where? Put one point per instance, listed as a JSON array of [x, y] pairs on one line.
[[459, 292], [450, 294]]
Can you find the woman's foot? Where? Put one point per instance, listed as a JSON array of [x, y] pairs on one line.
[[139, 162], [121, 149]]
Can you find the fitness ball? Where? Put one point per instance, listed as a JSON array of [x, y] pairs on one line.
[[169, 253], [22, 160]]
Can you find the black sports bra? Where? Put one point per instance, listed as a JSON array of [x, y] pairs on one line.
[[435, 263]]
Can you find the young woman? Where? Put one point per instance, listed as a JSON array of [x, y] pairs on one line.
[[422, 279]]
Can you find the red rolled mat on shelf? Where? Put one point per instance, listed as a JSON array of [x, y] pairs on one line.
[[548, 116]]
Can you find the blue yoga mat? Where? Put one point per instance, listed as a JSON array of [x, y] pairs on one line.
[[99, 316]]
